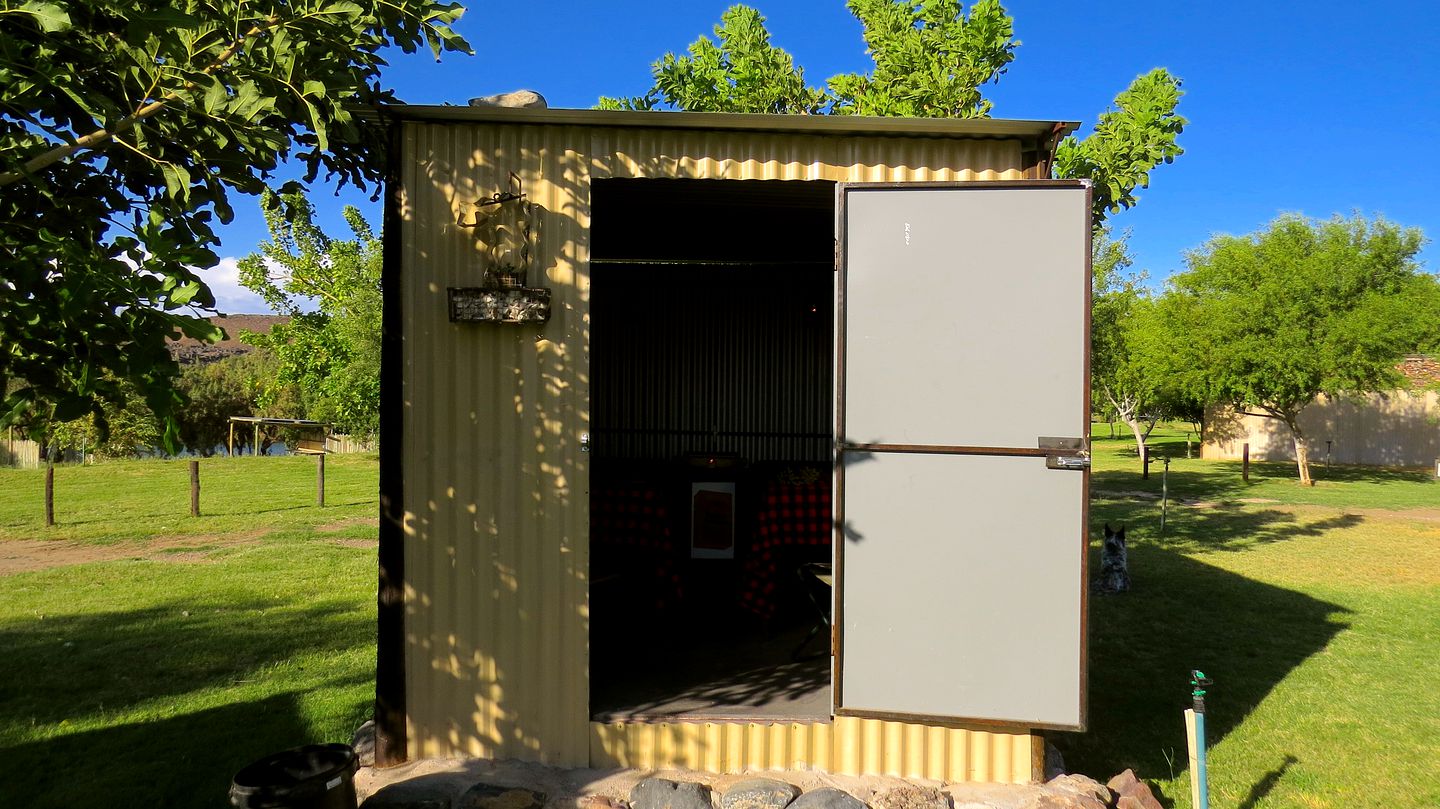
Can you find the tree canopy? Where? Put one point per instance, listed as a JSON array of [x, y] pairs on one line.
[[331, 351], [124, 126], [1121, 313], [1264, 323], [931, 59]]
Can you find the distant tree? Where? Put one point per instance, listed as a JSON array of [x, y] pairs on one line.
[[1129, 140], [132, 430], [1265, 323], [124, 127], [931, 59], [216, 391], [738, 72], [1121, 316], [331, 352]]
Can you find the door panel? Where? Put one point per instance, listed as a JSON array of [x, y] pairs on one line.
[[964, 316], [963, 342], [961, 587]]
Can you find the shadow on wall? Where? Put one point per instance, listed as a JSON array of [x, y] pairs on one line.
[[1183, 614], [495, 577], [495, 479], [1400, 428]]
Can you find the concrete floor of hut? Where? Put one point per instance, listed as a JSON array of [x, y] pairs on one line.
[[711, 675]]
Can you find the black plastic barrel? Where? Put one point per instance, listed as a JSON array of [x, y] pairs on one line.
[[316, 776]]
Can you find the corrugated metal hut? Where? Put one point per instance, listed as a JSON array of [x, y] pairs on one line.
[[657, 384]]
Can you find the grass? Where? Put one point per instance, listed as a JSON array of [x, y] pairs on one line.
[[192, 646], [149, 680], [128, 500], [1314, 609]]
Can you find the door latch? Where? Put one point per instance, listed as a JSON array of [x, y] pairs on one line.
[[1065, 453]]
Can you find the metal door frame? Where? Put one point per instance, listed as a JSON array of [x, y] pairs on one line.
[[838, 501]]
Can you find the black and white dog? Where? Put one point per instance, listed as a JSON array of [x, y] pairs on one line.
[[1114, 563]]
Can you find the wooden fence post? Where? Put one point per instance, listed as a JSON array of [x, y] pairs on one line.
[[320, 479], [50, 494], [194, 488], [1144, 461], [1245, 462]]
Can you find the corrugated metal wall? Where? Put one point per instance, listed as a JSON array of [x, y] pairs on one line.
[[848, 746], [735, 361], [495, 481]]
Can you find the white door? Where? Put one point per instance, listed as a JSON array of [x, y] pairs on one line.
[[962, 423]]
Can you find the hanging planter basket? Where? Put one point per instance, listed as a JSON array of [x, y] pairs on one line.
[[516, 304]]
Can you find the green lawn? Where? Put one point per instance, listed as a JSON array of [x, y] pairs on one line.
[[1316, 611], [147, 680], [191, 646]]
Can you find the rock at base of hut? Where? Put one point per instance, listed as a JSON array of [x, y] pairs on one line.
[[489, 796], [415, 794], [602, 802], [528, 99], [1082, 785], [759, 793], [913, 797], [1061, 800], [364, 743], [660, 793], [1133, 793], [827, 798]]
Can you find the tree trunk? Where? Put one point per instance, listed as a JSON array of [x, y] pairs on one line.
[[1302, 453], [1139, 438]]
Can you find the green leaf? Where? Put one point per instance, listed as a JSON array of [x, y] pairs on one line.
[[343, 7], [177, 181], [185, 293], [50, 17]]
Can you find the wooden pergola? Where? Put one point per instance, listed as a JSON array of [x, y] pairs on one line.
[[308, 446]]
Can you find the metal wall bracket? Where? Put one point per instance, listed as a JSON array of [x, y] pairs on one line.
[[1065, 453]]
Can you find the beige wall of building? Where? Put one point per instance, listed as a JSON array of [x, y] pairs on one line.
[[1401, 428]]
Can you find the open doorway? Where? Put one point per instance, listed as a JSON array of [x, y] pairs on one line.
[[711, 334]]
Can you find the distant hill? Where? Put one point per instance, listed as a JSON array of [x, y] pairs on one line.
[[190, 350]]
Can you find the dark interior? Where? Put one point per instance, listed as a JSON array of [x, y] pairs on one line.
[[711, 434]]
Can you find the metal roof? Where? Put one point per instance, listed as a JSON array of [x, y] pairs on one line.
[[800, 124]]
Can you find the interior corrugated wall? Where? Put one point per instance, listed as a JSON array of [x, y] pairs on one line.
[[496, 482]]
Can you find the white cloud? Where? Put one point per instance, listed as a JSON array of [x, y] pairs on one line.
[[231, 298]]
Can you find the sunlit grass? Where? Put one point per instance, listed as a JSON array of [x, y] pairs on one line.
[[1315, 610], [148, 680]]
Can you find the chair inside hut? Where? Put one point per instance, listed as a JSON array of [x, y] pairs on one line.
[[712, 305]]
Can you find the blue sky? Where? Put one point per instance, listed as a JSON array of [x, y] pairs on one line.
[[1318, 108]]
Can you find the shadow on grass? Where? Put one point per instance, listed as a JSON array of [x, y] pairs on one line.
[[1181, 615], [181, 761], [1212, 526], [77, 669], [1229, 481], [1267, 783]]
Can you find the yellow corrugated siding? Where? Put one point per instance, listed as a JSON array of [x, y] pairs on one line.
[[847, 746], [495, 484]]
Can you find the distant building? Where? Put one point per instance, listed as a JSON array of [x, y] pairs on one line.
[[188, 350], [1394, 428]]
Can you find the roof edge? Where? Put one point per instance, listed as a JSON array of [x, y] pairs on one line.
[[811, 124]]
